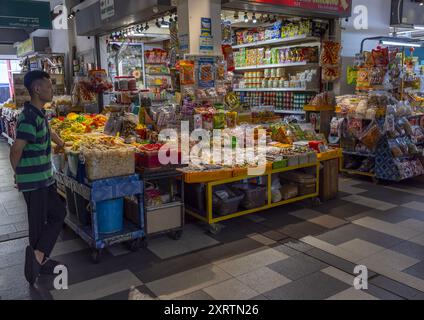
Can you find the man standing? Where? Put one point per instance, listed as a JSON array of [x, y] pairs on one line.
[[30, 157]]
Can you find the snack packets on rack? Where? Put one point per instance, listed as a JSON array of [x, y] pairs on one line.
[[206, 73]]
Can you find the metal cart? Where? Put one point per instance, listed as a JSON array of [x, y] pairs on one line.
[[169, 217], [100, 190]]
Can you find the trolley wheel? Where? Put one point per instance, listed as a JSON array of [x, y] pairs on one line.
[[134, 245], [143, 243], [96, 255], [176, 235], [215, 228]]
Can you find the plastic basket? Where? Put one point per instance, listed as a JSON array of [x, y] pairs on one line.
[[148, 159], [293, 161], [255, 196], [110, 163], [280, 164], [312, 157], [289, 190], [299, 177], [303, 158], [226, 206], [307, 188]]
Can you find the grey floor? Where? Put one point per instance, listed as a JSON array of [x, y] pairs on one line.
[[295, 252]]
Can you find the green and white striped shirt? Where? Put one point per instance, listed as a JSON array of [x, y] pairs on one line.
[[34, 170]]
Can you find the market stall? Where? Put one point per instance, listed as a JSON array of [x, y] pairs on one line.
[[271, 78], [380, 128]]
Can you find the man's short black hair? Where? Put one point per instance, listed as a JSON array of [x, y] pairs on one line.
[[33, 76]]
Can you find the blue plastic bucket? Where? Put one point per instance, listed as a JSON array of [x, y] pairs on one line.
[[110, 215]]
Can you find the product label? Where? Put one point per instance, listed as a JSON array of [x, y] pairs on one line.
[[206, 73], [206, 27], [205, 45]]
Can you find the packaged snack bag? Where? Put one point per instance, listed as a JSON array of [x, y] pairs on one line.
[[352, 75], [330, 53], [187, 72], [380, 57], [371, 136], [261, 55], [206, 73], [227, 51], [363, 80]]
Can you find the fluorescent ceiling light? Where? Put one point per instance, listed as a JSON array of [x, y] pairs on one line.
[[400, 43], [419, 27]]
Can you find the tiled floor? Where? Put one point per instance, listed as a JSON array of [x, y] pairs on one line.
[[295, 252], [12, 205]]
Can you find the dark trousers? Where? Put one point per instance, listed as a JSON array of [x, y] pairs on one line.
[[46, 213]]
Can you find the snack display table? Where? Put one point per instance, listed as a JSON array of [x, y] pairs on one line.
[[211, 218]]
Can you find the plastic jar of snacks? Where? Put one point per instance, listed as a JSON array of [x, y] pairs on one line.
[[123, 83], [132, 84]]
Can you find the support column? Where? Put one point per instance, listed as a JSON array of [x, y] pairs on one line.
[[190, 13]]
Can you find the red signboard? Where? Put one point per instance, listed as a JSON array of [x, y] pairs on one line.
[[337, 7]]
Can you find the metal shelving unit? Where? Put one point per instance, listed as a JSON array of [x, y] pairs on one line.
[[290, 112], [278, 65], [295, 39], [274, 90]]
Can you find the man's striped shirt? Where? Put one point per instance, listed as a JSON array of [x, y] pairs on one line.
[[34, 170]]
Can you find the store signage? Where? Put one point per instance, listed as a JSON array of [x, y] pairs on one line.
[[205, 45], [107, 9], [25, 47], [337, 7], [206, 27], [184, 42], [25, 14]]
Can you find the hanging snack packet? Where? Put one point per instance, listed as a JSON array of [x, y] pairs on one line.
[[206, 73], [371, 136], [227, 51], [380, 57], [187, 72]]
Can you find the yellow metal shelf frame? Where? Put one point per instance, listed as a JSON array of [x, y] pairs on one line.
[[209, 186]]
